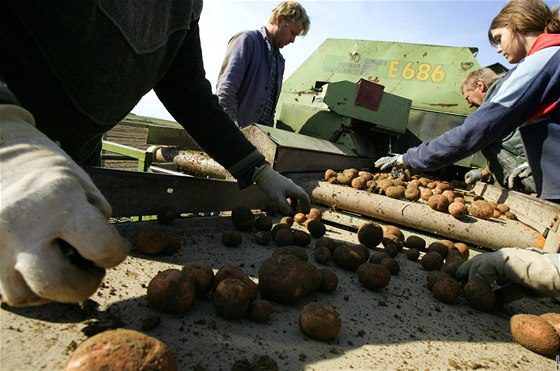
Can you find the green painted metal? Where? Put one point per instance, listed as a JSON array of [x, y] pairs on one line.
[[430, 76]]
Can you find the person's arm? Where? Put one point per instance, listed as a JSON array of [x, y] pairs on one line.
[[525, 89], [238, 56]]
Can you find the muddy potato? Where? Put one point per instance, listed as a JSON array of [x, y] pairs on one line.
[[260, 310], [396, 192], [231, 298], [151, 241], [314, 214], [322, 254], [412, 254], [263, 223], [458, 210], [350, 172], [121, 349], [446, 291], [366, 175], [234, 271], [377, 255], [481, 209], [535, 334], [373, 276], [434, 276], [370, 234], [480, 295], [301, 238], [316, 228], [439, 203], [503, 208], [171, 291], [276, 228], [325, 241], [383, 184], [426, 193], [391, 264], [432, 261], [394, 231], [263, 238], [415, 242], [232, 238], [392, 240], [284, 237], [243, 218], [412, 193], [297, 251], [462, 248], [288, 220], [285, 279], [320, 321], [453, 263], [440, 247], [202, 276], [300, 218], [348, 256], [449, 194], [329, 280], [358, 183], [343, 179]]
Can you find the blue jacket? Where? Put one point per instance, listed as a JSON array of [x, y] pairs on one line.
[[244, 78], [528, 99]]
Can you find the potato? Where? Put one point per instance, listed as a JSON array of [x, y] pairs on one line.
[[325, 241], [434, 276], [480, 295], [462, 248], [314, 214], [366, 175], [232, 238], [432, 261], [535, 334], [370, 234], [243, 218], [377, 256], [348, 256], [446, 290], [391, 264], [396, 192], [285, 279], [481, 209], [234, 271], [373, 276], [260, 310], [284, 237], [171, 291], [503, 208], [391, 250], [392, 230], [415, 242], [287, 220], [320, 321], [358, 183], [458, 210], [263, 223], [439, 247], [151, 241], [343, 179], [297, 251], [553, 319], [329, 280], [121, 349], [329, 173], [452, 264], [316, 228], [301, 238], [350, 172], [231, 298], [439, 202], [412, 254], [202, 276], [263, 238], [412, 193], [276, 228], [510, 215], [426, 193], [392, 240], [322, 254], [300, 218]]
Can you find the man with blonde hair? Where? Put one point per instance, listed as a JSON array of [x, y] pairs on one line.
[[506, 157], [250, 79]]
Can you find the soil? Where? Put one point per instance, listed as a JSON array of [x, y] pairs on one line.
[[399, 327]]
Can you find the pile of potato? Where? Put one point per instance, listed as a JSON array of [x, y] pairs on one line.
[[443, 196]]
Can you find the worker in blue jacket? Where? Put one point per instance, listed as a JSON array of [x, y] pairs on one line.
[[69, 72], [526, 33], [250, 79]]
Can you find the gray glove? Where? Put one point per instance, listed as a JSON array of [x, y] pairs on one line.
[[473, 176], [389, 162], [56, 241], [279, 189], [521, 172], [531, 268]]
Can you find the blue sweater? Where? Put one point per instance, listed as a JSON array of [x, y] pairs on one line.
[[244, 79], [528, 99]]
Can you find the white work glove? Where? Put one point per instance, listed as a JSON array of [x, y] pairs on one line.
[[531, 268], [279, 189], [473, 176], [520, 172], [389, 162], [56, 241]]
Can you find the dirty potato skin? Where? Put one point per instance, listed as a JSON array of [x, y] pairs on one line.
[[243, 218], [373, 276], [370, 234], [202, 276], [480, 295], [231, 298], [535, 334], [121, 349], [151, 241], [320, 321], [172, 291], [348, 256]]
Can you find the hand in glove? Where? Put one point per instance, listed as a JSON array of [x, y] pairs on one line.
[[531, 268], [56, 241], [389, 162], [520, 172], [279, 189], [475, 175]]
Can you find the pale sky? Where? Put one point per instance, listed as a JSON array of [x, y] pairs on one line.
[[438, 22]]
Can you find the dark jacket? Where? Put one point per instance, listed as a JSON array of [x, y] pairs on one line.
[[528, 99], [81, 66]]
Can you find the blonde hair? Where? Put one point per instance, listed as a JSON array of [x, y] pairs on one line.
[[485, 75], [291, 11], [526, 16]]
